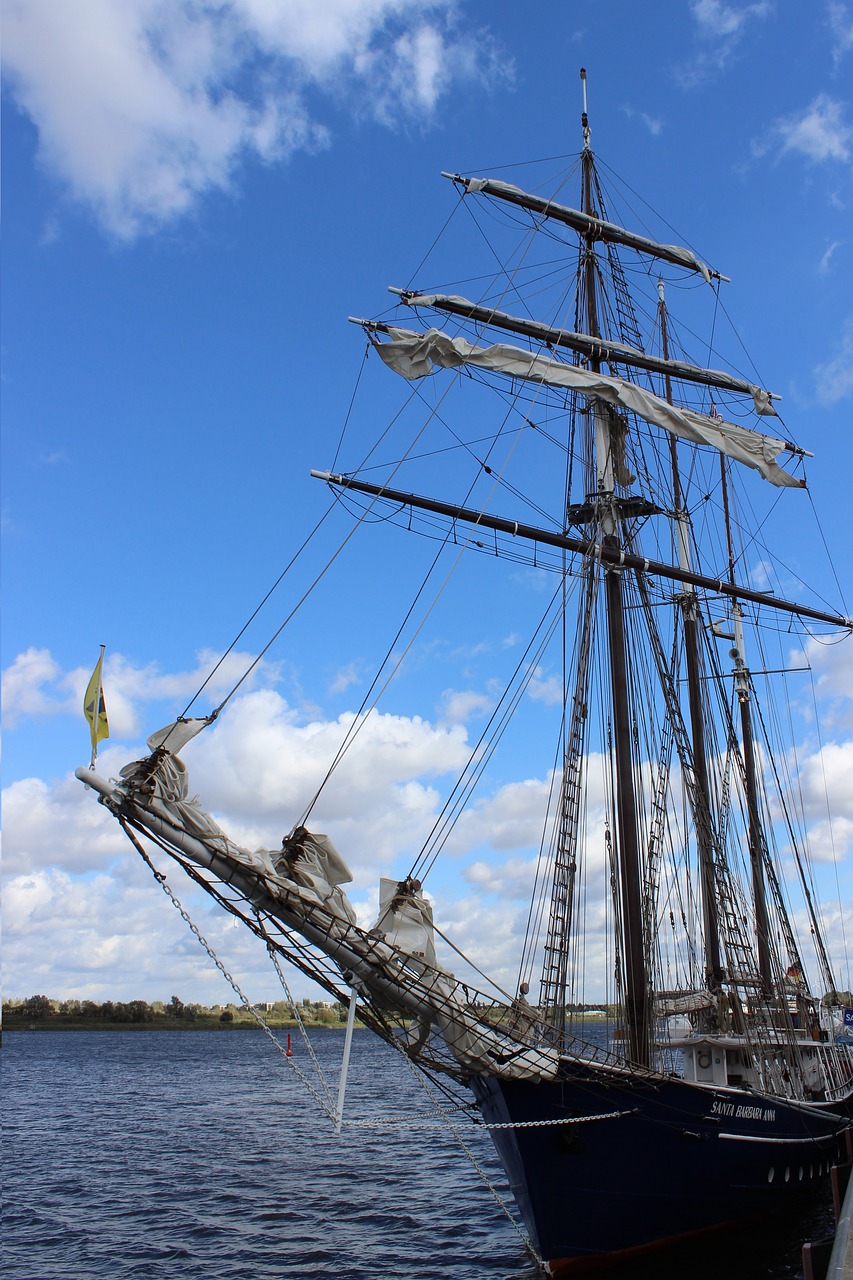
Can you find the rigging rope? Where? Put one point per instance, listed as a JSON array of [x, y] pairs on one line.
[[293, 1005], [528, 1244], [246, 626], [160, 877]]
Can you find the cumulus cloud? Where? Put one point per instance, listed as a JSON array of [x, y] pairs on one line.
[[547, 689], [59, 826], [143, 107], [34, 685], [512, 878], [832, 663], [28, 684], [113, 935], [73, 878], [827, 772]]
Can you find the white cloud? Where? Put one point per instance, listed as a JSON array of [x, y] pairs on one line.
[[512, 878], [841, 27], [24, 686], [718, 21], [720, 29], [820, 132], [823, 265], [347, 676], [263, 764], [832, 662], [831, 841], [834, 378], [510, 819], [59, 826], [547, 689], [460, 706], [825, 777], [654, 125], [34, 685], [73, 878], [115, 936], [142, 107]]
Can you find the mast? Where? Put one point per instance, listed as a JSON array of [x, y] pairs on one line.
[[689, 611], [628, 842], [755, 836]]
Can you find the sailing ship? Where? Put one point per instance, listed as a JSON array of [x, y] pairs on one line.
[[726, 1087]]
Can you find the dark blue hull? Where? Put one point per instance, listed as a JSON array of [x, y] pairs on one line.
[[672, 1159]]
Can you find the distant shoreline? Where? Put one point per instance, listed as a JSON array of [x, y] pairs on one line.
[[61, 1023], [163, 1022]]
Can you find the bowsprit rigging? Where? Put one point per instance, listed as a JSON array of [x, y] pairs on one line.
[[672, 881]]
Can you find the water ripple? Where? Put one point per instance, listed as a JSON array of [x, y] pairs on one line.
[[199, 1155]]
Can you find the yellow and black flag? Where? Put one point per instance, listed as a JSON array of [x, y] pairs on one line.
[[94, 707]]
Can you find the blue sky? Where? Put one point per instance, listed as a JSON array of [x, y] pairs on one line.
[[197, 195]]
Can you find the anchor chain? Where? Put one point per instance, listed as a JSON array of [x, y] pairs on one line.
[[229, 978], [271, 952]]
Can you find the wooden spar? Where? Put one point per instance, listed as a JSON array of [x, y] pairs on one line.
[[702, 815], [596, 348], [756, 835], [590, 226], [636, 992], [584, 547]]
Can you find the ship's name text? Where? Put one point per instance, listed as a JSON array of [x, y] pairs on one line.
[[742, 1111]]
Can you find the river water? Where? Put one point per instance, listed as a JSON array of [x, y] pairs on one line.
[[163, 1155]]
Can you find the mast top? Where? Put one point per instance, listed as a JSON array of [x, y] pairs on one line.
[[584, 116]]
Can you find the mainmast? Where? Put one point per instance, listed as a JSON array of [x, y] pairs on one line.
[[628, 842], [755, 834], [690, 612]]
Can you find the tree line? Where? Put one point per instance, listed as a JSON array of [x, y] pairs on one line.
[[42, 1007]]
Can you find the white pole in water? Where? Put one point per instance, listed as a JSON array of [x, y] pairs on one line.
[[342, 1084]]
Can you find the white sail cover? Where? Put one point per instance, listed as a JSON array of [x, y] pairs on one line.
[[176, 735], [405, 920], [761, 399], [587, 224], [414, 355]]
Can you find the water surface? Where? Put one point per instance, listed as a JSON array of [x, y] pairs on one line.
[[199, 1155]]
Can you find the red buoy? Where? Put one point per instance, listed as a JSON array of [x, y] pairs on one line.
[[288, 1051]]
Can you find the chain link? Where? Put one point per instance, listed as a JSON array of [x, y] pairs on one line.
[[490, 1186], [271, 952], [247, 1004], [389, 1122]]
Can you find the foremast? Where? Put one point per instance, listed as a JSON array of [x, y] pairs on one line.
[[607, 447]]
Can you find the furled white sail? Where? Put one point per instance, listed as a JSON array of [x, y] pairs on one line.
[[597, 348], [414, 355], [588, 224]]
